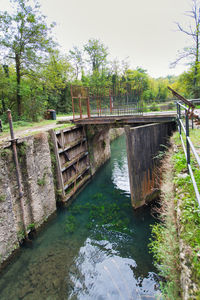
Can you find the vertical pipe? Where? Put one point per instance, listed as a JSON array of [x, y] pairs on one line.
[[72, 103], [179, 113], [88, 107], [79, 100], [14, 147], [100, 103], [110, 102], [187, 135], [88, 103]]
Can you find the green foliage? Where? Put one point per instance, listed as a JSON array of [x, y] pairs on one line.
[[22, 150], [70, 224], [154, 107], [2, 197], [99, 216], [5, 153], [42, 181], [29, 50], [20, 235], [97, 54], [31, 226], [165, 242]]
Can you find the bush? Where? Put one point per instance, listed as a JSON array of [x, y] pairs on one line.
[[154, 107]]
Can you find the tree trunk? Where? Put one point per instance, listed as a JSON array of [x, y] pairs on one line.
[[3, 103], [18, 73]]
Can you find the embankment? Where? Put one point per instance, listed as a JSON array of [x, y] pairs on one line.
[[176, 243]]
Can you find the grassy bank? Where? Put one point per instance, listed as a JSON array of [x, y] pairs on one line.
[[176, 240]]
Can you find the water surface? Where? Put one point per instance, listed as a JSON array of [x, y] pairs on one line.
[[95, 250]]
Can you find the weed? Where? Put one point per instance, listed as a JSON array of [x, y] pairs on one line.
[[5, 153], [42, 181], [70, 224], [20, 235], [2, 197], [31, 226]]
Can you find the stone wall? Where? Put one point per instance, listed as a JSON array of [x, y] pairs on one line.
[[39, 197]]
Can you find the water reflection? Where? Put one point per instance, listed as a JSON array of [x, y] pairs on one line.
[[101, 274]]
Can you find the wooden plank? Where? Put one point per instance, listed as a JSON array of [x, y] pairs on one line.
[[79, 185], [72, 145], [68, 129], [75, 177], [62, 139], [75, 159], [190, 104], [84, 133], [66, 155], [59, 172]]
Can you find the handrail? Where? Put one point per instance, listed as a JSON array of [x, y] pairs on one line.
[[189, 145]]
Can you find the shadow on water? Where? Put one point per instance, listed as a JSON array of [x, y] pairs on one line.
[[95, 249]]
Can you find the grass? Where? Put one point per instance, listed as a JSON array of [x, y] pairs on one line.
[[65, 114], [24, 125], [180, 214]]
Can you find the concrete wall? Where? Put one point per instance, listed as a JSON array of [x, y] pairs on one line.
[[99, 138], [98, 145], [38, 187], [115, 133], [143, 145]]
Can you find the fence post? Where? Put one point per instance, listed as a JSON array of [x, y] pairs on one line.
[[179, 117], [187, 135], [192, 118]]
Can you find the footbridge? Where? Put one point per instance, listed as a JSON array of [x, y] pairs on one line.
[[146, 135], [116, 110]]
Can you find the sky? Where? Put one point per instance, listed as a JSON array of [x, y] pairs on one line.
[[144, 31]]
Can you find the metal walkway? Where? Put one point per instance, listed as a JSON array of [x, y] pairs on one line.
[[133, 120]]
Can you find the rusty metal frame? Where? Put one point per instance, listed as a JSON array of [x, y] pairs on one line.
[[79, 97]]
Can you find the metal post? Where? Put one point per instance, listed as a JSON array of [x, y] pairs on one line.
[[79, 100], [14, 147], [179, 115], [110, 102], [187, 135], [88, 107], [72, 103]]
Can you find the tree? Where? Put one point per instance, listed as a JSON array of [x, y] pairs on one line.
[[54, 77], [75, 56], [24, 38], [97, 53], [192, 52]]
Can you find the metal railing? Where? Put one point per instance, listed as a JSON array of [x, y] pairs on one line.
[[189, 145]]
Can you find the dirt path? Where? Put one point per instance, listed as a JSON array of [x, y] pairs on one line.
[[5, 136]]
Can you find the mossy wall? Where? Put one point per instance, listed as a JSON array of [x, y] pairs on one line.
[[37, 181]]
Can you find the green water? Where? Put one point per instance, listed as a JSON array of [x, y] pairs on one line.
[[95, 250]]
